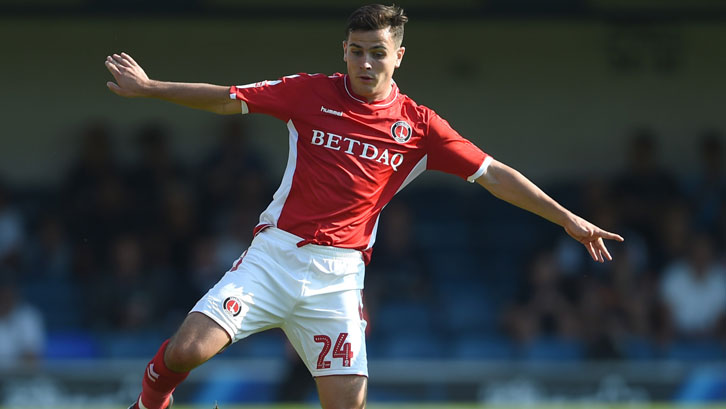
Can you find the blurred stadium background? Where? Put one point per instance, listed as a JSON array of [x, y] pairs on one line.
[[116, 215]]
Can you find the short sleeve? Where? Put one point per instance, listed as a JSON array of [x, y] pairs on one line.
[[449, 152], [277, 98]]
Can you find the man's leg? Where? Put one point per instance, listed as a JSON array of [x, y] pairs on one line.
[[198, 339], [342, 391]]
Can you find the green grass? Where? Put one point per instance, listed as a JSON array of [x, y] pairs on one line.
[[449, 406], [473, 406]]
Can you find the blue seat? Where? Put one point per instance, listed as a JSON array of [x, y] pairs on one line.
[[639, 349], [414, 345], [70, 345], [483, 347], [468, 310], [696, 350], [402, 317], [59, 302], [442, 234], [143, 344], [553, 349], [457, 264]]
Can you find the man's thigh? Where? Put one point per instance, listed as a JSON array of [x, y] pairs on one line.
[[342, 391], [328, 332]]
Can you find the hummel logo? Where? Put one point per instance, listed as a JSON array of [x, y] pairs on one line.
[[330, 111], [153, 376]]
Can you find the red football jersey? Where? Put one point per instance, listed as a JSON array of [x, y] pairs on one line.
[[349, 157]]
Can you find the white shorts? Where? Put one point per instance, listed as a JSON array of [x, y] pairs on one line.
[[313, 293]]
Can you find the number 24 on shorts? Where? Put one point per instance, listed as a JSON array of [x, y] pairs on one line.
[[341, 350]]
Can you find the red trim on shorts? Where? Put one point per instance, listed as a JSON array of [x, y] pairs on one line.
[[236, 265], [367, 253], [259, 228]]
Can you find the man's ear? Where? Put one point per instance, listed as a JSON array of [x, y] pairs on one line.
[[399, 55], [345, 49]]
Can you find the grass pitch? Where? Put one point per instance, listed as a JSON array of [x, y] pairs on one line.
[[438, 406], [475, 406]]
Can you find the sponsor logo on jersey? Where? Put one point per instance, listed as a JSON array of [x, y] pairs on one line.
[[357, 148], [233, 306], [330, 111], [401, 131]]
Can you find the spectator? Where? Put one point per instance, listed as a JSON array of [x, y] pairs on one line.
[[694, 291], [12, 232], [231, 176], [127, 297], [398, 272], [96, 161], [675, 231], [48, 253], [643, 188], [707, 191], [22, 331], [545, 305], [149, 177], [91, 188], [205, 270]]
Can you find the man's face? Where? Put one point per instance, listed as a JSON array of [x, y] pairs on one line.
[[372, 56]]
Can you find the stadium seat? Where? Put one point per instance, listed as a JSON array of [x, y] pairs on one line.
[[639, 349], [70, 345], [483, 347], [457, 264], [696, 350], [467, 309], [553, 349], [414, 345], [429, 234], [58, 301], [402, 317], [142, 344]]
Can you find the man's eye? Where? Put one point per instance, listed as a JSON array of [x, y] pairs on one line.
[[379, 55]]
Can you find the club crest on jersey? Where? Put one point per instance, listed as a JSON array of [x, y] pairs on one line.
[[401, 131], [233, 306]]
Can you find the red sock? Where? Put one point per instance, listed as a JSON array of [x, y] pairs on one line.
[[159, 381]]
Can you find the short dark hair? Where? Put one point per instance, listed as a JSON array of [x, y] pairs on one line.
[[377, 16]]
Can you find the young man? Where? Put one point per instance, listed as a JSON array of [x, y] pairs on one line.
[[355, 141]]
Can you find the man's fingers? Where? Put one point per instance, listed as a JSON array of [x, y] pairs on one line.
[[591, 250], [610, 236], [121, 60], [598, 252], [128, 57], [604, 250], [113, 87], [113, 68]]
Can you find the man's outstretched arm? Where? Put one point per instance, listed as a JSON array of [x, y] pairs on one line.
[[511, 186], [132, 81]]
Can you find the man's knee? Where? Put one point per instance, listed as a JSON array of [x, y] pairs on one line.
[[198, 339], [342, 392]]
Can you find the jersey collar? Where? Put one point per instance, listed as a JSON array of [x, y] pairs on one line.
[[380, 103]]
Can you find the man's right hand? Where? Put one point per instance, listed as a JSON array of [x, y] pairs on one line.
[[131, 80]]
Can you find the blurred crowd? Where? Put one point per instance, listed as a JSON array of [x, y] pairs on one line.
[[125, 248]]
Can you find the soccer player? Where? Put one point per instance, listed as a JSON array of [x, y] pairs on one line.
[[354, 141]]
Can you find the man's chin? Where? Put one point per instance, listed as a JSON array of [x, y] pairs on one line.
[[364, 90]]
